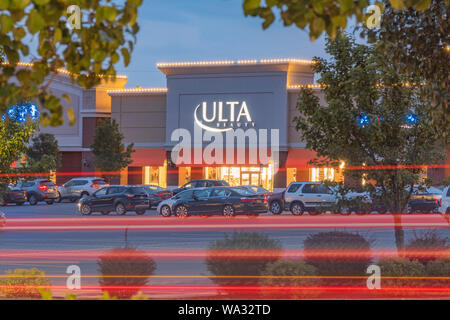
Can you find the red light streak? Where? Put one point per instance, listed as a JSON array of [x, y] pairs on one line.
[[239, 222], [100, 173], [237, 254]]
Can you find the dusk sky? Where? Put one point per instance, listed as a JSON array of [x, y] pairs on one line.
[[192, 30]]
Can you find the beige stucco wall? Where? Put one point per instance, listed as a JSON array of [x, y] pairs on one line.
[[142, 118]]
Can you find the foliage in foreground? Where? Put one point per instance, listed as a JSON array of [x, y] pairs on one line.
[[89, 52], [241, 254], [124, 271], [327, 252], [24, 283]]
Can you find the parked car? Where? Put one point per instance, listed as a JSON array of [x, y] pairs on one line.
[[257, 189], [445, 201], [226, 201], [80, 187], [156, 194], [276, 202], [200, 184], [13, 195], [115, 198], [309, 197], [39, 190], [426, 200]]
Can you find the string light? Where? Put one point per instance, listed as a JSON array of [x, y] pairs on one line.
[[59, 70], [137, 90]]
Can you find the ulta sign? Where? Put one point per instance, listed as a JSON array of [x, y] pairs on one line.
[[223, 116]]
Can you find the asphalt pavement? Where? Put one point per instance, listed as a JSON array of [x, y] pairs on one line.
[[84, 244]]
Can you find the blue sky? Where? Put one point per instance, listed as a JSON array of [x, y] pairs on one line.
[[191, 30]]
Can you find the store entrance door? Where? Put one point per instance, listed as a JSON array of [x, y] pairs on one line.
[[250, 178]]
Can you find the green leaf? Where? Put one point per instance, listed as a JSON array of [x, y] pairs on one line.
[[4, 4], [19, 33], [57, 35], [398, 4], [6, 23], [126, 56], [422, 5], [41, 2], [35, 22], [71, 116], [249, 5], [18, 4]]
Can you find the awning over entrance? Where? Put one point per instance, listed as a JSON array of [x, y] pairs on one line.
[[152, 157], [299, 158]]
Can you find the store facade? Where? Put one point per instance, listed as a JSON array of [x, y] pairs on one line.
[[229, 120]]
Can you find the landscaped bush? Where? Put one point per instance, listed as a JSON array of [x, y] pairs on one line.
[[426, 242], [241, 254], [398, 268], [290, 268], [338, 254], [24, 283], [128, 262], [438, 268]]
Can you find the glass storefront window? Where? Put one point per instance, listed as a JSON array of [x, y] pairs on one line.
[[235, 176], [156, 175]]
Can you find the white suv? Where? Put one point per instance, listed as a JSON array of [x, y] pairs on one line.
[[303, 197], [445, 201], [80, 187]]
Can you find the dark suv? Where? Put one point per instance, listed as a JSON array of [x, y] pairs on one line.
[[39, 190], [115, 198], [201, 184]]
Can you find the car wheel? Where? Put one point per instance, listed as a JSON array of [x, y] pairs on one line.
[[49, 202], [32, 200], [181, 211], [19, 203], [105, 213], [297, 209], [140, 212], [228, 211], [120, 209], [59, 199], [275, 207], [85, 209], [165, 211]]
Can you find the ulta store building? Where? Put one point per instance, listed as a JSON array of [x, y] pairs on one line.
[[229, 120]]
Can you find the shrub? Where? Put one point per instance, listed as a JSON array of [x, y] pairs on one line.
[[241, 254], [438, 268], [399, 268], [426, 241], [134, 265], [290, 268], [338, 254], [24, 283]]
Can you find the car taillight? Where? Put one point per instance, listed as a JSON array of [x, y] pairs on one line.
[[95, 185], [43, 187], [158, 194], [247, 200], [129, 195]]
